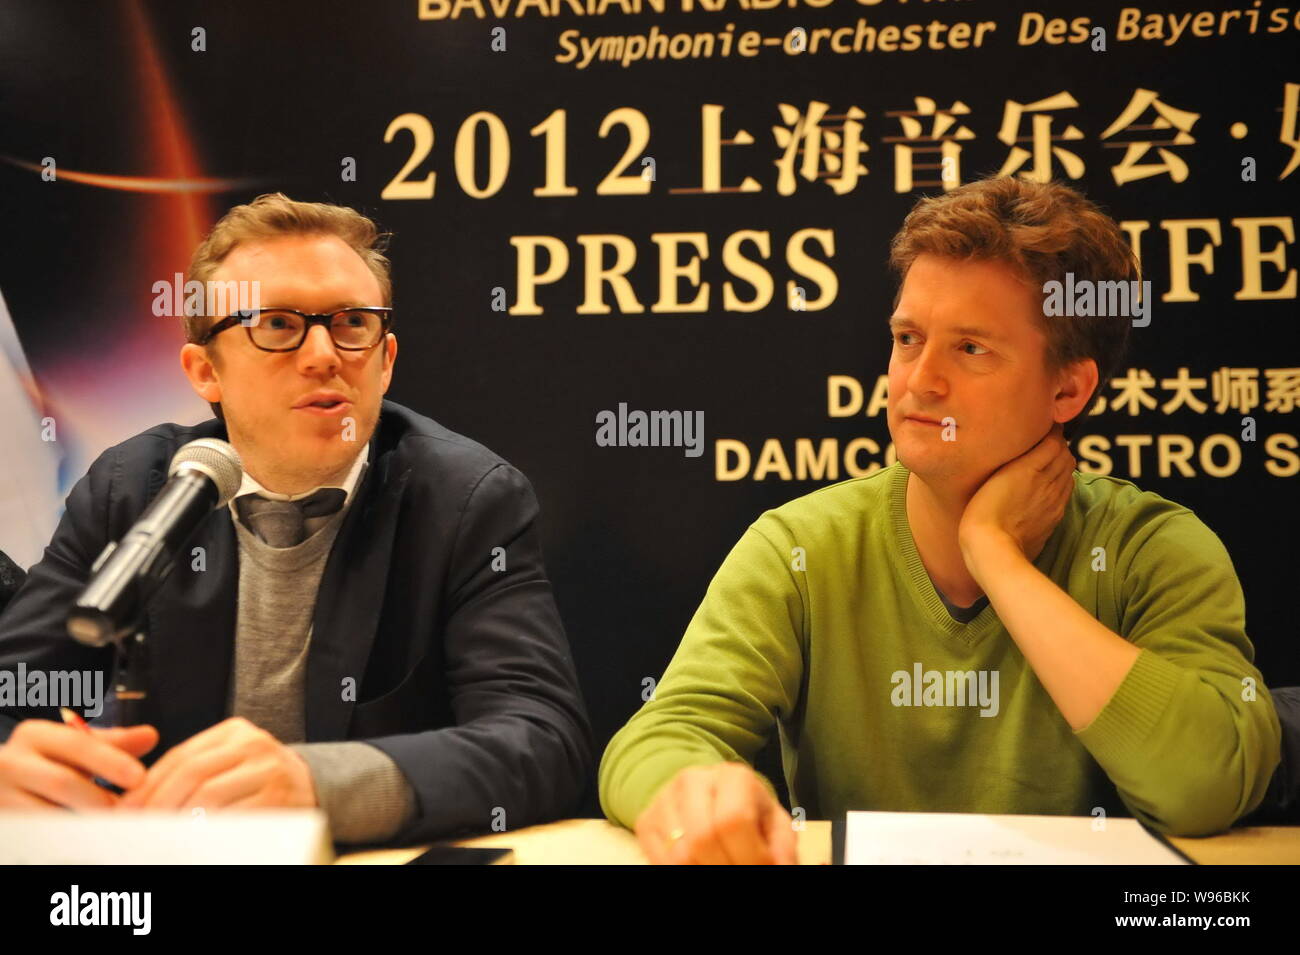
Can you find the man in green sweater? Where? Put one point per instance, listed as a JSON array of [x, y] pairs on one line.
[[977, 627]]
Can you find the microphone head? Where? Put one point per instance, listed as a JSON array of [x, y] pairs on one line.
[[215, 458]]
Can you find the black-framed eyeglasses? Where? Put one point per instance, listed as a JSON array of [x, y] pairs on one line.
[[285, 329]]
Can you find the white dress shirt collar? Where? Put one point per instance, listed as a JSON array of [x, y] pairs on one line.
[[250, 485]]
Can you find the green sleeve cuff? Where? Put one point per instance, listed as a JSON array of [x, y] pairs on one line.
[[625, 798], [1142, 699], [632, 794]]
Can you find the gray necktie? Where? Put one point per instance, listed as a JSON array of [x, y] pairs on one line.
[[283, 523]]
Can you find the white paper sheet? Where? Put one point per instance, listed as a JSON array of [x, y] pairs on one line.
[[943, 838], [267, 837]]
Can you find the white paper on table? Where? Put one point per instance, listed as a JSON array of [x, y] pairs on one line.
[[148, 837], [958, 838]]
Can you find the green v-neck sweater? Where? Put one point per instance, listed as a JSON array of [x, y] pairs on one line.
[[823, 622]]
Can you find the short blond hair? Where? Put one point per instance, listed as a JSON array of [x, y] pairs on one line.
[[275, 214]]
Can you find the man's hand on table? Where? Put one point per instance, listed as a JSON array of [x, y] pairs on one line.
[[236, 765], [233, 765], [47, 765], [716, 815]]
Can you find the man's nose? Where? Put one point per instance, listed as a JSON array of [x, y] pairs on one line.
[[928, 374], [318, 353]]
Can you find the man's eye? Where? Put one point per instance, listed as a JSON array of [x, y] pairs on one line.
[[900, 336], [984, 350]]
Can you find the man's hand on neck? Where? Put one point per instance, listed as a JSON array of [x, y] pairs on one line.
[[961, 532], [1018, 507]]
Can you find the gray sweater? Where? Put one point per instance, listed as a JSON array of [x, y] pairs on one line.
[[363, 793]]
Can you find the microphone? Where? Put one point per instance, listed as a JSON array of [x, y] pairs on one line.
[[203, 475]]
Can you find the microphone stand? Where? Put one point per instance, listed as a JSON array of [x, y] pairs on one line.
[[131, 677], [125, 575]]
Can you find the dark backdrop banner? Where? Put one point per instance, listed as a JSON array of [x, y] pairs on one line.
[[605, 208]]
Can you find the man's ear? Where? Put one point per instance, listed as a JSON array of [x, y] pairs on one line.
[[200, 368], [1075, 384], [390, 357]]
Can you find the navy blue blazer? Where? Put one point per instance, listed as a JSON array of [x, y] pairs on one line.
[[461, 672]]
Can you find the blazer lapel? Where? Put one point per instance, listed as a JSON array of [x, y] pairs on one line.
[[350, 599]]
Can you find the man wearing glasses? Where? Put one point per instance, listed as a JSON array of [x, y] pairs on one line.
[[368, 627]]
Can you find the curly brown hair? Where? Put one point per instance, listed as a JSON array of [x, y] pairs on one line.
[[275, 214], [1043, 231]]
